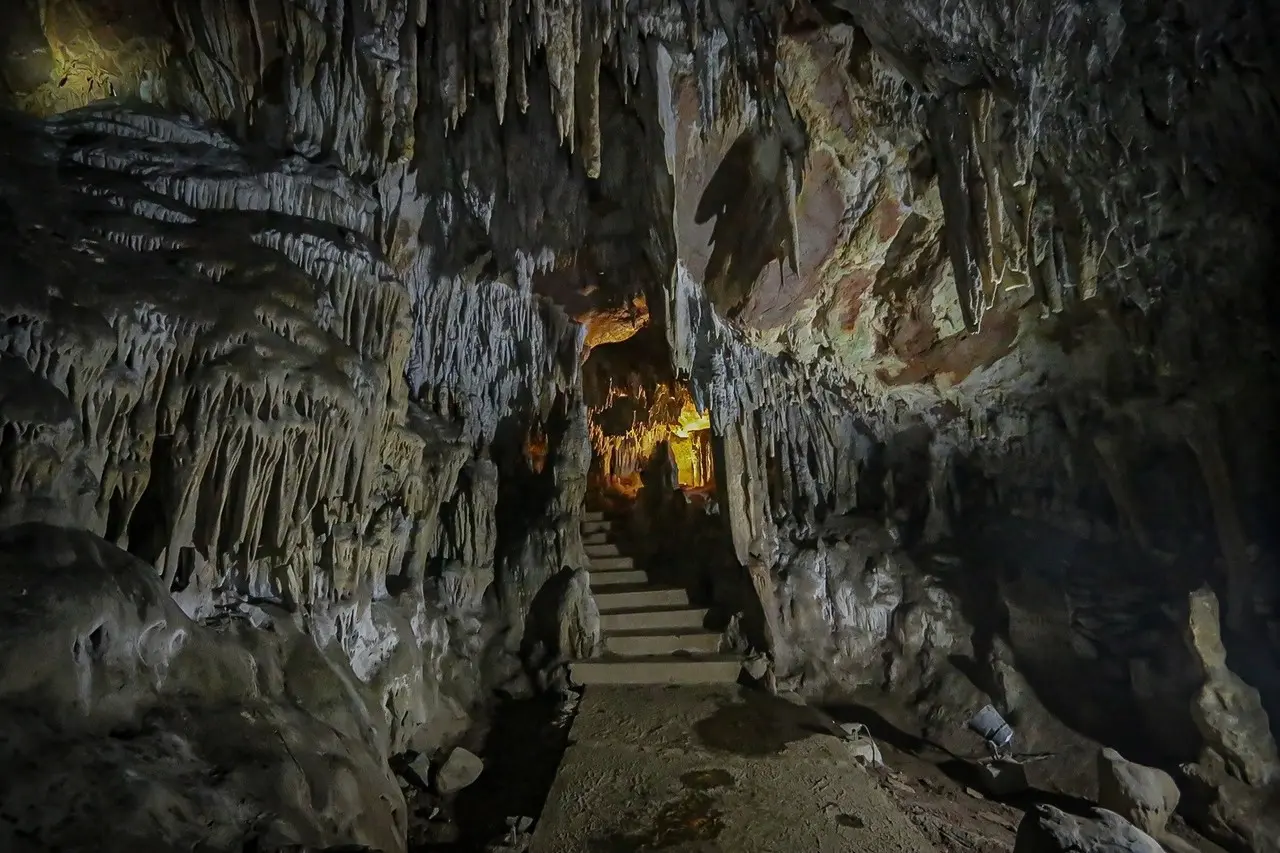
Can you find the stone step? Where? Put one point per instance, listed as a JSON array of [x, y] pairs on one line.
[[604, 564], [595, 538], [636, 644], [589, 527], [654, 618], [641, 598], [593, 516], [629, 577], [656, 670], [602, 549]]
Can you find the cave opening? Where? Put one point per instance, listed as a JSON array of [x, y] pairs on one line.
[[647, 431]]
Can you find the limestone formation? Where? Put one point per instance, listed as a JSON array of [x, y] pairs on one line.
[[1144, 796], [458, 771], [578, 618], [1050, 830], [206, 734], [1226, 710], [930, 343]]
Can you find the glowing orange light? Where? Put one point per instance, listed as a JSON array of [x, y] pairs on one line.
[[671, 417]]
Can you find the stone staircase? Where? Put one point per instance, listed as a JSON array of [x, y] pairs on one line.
[[651, 633]]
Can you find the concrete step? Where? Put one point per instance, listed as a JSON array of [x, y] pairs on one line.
[[589, 527], [591, 515], [640, 598], [598, 564], [602, 549], [656, 670], [653, 618], [628, 577], [635, 644], [595, 539]]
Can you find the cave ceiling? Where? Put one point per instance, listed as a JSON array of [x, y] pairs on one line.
[[932, 208]]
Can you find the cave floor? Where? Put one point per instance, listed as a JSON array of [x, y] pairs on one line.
[[709, 769]]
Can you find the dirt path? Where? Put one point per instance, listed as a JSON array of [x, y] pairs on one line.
[[705, 770]]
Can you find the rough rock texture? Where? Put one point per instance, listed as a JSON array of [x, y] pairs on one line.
[[121, 711], [578, 618], [1227, 711], [459, 770], [1144, 796], [969, 304], [1050, 830]]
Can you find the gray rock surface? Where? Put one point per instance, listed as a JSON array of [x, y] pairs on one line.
[[1227, 711], [578, 618], [1144, 796], [1002, 778], [1050, 830], [171, 733], [459, 770]]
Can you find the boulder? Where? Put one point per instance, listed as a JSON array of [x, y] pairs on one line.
[[1144, 796], [459, 770], [578, 618], [1050, 830], [1233, 813]]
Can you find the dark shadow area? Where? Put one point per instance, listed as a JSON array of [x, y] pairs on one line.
[[1081, 618], [963, 770], [760, 725], [884, 731], [522, 754]]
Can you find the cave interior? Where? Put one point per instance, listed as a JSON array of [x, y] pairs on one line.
[[401, 399]]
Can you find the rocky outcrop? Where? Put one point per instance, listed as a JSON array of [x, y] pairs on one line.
[[1233, 784], [578, 619], [1227, 711], [1144, 796], [1050, 830], [171, 732], [857, 611]]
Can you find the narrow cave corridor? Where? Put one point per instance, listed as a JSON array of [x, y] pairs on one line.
[[644, 425]]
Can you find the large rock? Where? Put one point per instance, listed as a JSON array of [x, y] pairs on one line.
[[459, 770], [1145, 796], [578, 618], [1003, 778], [1226, 710], [117, 710], [1232, 813], [1051, 830]]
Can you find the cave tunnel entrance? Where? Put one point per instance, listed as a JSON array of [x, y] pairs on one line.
[[646, 429]]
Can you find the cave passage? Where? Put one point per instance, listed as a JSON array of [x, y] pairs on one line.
[[645, 426]]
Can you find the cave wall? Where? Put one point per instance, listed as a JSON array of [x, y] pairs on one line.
[[282, 305], [934, 332]]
